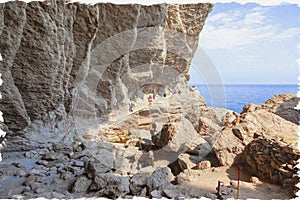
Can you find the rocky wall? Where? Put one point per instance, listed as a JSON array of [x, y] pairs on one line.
[[65, 62], [272, 160]]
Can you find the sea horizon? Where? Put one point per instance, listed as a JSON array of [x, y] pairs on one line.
[[249, 84], [236, 96]]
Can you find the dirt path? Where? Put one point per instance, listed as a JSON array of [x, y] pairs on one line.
[[208, 180]]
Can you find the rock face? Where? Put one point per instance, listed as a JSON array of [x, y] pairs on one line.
[[181, 136], [69, 65], [213, 120], [112, 185], [159, 179], [231, 142], [273, 161], [229, 133], [284, 106]]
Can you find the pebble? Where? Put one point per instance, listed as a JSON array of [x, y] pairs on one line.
[[234, 183], [215, 169], [27, 195], [55, 195], [17, 165], [60, 165], [29, 180], [61, 171], [180, 197], [21, 173], [17, 196], [42, 162], [39, 167], [51, 173], [254, 180], [35, 186], [211, 195], [39, 190], [53, 168], [31, 154], [156, 194], [37, 172], [78, 163], [27, 189]]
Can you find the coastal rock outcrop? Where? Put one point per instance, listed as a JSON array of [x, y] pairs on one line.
[[273, 161], [230, 142], [283, 105], [229, 132]]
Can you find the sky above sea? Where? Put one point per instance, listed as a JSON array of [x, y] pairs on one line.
[[249, 44]]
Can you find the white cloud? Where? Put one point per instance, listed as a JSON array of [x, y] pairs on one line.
[[237, 28], [245, 58], [254, 18], [291, 32], [298, 60]]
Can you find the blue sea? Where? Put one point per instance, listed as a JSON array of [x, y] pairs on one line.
[[234, 97]]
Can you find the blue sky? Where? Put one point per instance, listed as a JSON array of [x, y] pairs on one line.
[[250, 44]]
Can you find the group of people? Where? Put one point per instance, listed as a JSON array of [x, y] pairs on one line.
[[150, 99], [132, 103]]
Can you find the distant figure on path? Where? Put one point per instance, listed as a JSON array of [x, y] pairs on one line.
[[150, 99], [131, 106]]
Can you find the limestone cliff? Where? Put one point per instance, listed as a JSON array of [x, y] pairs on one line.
[[70, 63]]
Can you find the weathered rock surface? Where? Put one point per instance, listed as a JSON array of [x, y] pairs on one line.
[[273, 161], [284, 106], [67, 66], [159, 179], [205, 164], [187, 161], [229, 143], [181, 136], [82, 184], [102, 161], [138, 182], [212, 120], [112, 185]]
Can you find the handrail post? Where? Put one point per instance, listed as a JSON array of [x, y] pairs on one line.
[[239, 176]]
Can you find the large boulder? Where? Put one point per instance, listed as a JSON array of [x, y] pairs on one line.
[[213, 119], [192, 103], [112, 185], [181, 136], [227, 146], [100, 162], [187, 161], [132, 160], [81, 184], [284, 106], [138, 182], [229, 143], [272, 160], [159, 179]]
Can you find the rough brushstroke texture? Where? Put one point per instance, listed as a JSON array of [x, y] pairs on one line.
[[48, 46]]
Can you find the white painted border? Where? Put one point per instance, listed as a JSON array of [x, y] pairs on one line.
[[150, 2]]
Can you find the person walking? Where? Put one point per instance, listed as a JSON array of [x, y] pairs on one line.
[[150, 99]]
